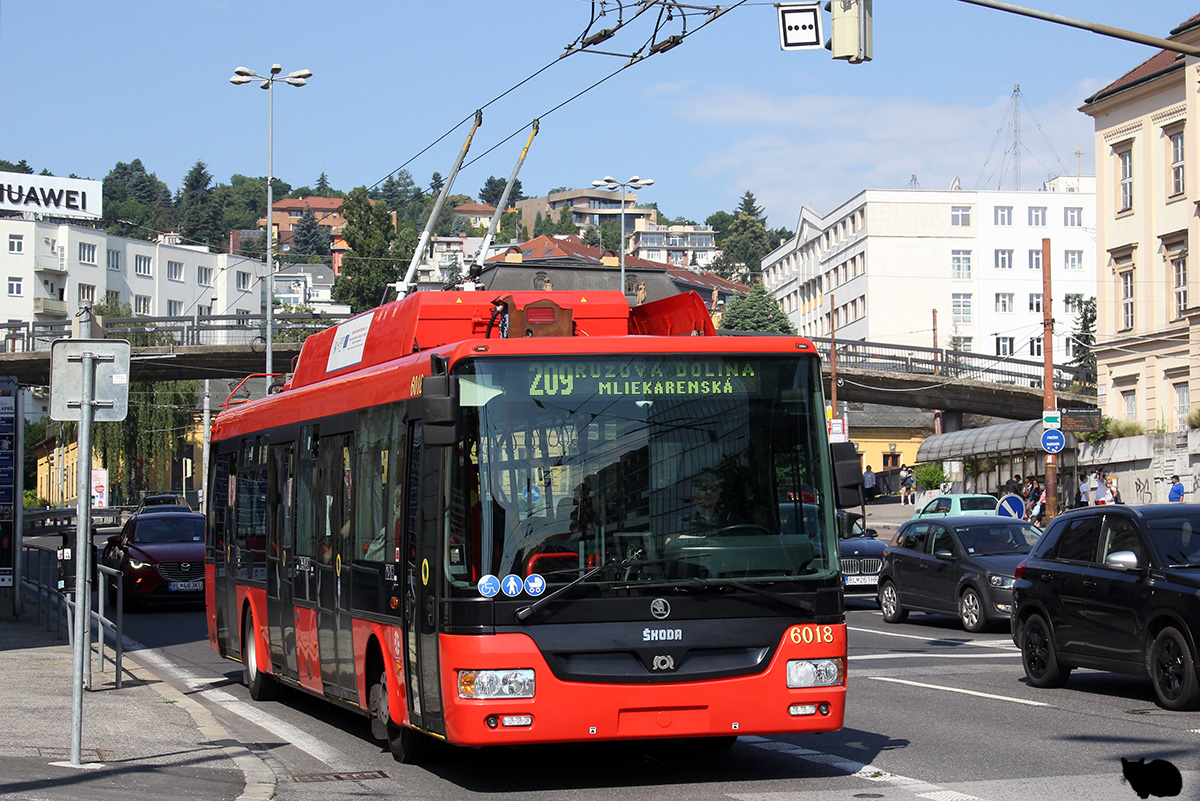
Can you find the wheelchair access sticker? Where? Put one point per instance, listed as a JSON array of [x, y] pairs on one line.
[[488, 586]]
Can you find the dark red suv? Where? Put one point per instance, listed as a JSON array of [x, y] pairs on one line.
[[1114, 588], [161, 555]]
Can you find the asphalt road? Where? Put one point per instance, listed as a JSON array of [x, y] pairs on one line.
[[934, 713]]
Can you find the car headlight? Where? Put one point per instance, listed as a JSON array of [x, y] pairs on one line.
[[138, 565], [495, 683], [1001, 582], [815, 672]]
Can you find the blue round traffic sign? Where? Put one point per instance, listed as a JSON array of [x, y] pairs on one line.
[[1011, 506], [1053, 440]]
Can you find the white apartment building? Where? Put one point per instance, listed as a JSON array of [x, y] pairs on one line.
[[881, 264], [49, 270], [677, 245]]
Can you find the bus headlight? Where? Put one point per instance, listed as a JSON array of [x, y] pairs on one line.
[[495, 683], [815, 672]]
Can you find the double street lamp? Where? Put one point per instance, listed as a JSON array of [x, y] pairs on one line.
[[611, 184], [243, 75]]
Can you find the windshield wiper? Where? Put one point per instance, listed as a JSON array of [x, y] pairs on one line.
[[1186, 564], [526, 612], [788, 600]]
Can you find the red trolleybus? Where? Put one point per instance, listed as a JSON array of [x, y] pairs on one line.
[[535, 518]]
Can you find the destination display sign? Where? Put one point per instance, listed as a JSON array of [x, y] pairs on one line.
[[643, 377], [1080, 420]]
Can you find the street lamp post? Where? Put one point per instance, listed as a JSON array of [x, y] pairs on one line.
[[611, 184], [243, 75]]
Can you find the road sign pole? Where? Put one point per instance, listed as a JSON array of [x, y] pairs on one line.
[[1049, 403], [83, 529]]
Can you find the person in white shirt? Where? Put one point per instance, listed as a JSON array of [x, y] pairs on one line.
[[1083, 492], [1101, 489], [869, 484]]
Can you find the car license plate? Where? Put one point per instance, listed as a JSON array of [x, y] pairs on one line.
[[860, 580], [185, 586]]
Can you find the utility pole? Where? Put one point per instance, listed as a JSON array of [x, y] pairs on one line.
[[937, 413], [833, 355], [1049, 402]]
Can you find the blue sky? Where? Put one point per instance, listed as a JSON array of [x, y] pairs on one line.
[[89, 84]]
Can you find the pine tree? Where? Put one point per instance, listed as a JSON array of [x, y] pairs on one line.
[[309, 238], [322, 188], [199, 215], [373, 261], [749, 205], [758, 311], [566, 225]]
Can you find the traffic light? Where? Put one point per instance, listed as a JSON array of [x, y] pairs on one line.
[[851, 29]]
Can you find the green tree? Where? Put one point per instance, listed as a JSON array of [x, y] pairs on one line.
[[780, 235], [198, 213], [591, 236], [493, 190], [719, 221], [1084, 335], [543, 226], [506, 231], [131, 194], [34, 434], [565, 225], [323, 189], [758, 311], [436, 182], [610, 236], [20, 166], [929, 476], [743, 249], [749, 205], [308, 237], [377, 255], [397, 190]]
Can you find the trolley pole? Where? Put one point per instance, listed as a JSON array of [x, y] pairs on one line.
[[1049, 403]]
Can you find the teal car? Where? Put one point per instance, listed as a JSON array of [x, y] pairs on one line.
[[949, 504]]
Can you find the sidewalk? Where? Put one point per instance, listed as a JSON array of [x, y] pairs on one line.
[[886, 515], [145, 740]]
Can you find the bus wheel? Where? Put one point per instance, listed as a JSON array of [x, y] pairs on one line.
[[262, 688], [407, 745]]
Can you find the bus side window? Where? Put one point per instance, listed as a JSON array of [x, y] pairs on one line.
[[372, 458], [306, 499]]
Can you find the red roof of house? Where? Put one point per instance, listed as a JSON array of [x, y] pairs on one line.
[[1160, 62], [475, 208], [315, 203]]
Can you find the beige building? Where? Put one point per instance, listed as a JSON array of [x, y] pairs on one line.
[[588, 207], [1147, 192]]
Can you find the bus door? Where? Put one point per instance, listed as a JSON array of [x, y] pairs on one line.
[[281, 558], [334, 560], [422, 574], [220, 542]]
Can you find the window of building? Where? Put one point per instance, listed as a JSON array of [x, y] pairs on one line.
[[1180, 293], [1072, 302], [1004, 346], [960, 303], [1072, 259], [1004, 259], [1182, 406], [87, 293], [87, 253], [174, 308], [1035, 259], [960, 216], [1004, 302], [1035, 302], [1129, 404], [243, 281], [175, 271], [960, 264], [114, 260], [1037, 216], [112, 297], [204, 311], [1125, 179], [1003, 215], [1035, 346], [1175, 140], [204, 276], [141, 304], [14, 286], [1127, 300], [16, 243], [1073, 217], [142, 265], [295, 213], [963, 344]]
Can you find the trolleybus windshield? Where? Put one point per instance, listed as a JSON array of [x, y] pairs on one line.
[[691, 467]]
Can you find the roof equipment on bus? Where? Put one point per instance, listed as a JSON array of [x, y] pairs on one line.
[[477, 267]]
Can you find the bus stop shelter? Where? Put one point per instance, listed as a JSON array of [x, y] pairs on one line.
[[1013, 449]]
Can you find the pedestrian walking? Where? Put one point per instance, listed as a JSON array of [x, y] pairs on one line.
[[1084, 491], [907, 480], [1102, 496], [1176, 493]]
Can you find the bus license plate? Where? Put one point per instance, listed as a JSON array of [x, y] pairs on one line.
[[859, 580], [185, 586]]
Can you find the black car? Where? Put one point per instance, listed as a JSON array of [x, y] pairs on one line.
[[1114, 588], [961, 565], [861, 554]]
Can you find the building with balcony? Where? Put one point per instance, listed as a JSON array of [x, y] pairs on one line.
[[1148, 191], [588, 207], [476, 215], [678, 245], [966, 267]]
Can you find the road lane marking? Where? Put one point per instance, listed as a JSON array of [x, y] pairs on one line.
[[954, 640], [866, 657], [922, 789], [959, 690]]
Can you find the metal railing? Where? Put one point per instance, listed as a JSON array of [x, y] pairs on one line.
[[949, 364], [219, 329]]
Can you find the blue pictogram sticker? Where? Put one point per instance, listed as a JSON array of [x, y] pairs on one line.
[[511, 585], [535, 585], [488, 586]]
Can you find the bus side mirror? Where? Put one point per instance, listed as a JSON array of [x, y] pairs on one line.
[[847, 474], [437, 409]]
